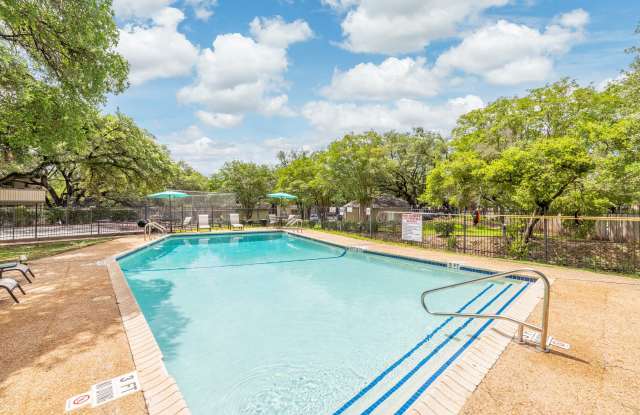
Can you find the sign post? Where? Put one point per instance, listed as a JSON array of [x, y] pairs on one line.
[[412, 227], [368, 211]]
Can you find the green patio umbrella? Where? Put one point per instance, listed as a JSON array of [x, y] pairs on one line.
[[169, 194], [282, 196]]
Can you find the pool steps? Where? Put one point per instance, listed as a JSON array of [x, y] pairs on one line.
[[401, 383]]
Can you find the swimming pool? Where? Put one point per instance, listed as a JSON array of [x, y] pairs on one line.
[[271, 323]]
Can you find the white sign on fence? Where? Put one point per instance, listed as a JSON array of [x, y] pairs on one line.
[[412, 227], [368, 210], [349, 209]]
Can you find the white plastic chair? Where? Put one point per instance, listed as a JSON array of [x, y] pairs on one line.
[[234, 221], [203, 222]]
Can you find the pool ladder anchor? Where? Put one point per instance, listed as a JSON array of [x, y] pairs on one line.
[[540, 335]]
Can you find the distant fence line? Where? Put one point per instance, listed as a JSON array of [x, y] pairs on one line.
[[24, 223], [594, 242]]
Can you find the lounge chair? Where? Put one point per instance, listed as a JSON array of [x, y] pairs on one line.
[[186, 222], [10, 285], [17, 266], [203, 222], [234, 221]]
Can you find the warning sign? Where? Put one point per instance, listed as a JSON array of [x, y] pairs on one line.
[[412, 227], [78, 401], [115, 388], [106, 391]]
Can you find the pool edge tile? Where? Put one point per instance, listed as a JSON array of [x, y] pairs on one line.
[[161, 393]]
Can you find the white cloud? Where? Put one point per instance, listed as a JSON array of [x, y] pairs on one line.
[[401, 26], [208, 154], [157, 50], [577, 18], [133, 9], [219, 119], [239, 74], [507, 53], [337, 119], [146, 9], [203, 9], [278, 33], [392, 79]]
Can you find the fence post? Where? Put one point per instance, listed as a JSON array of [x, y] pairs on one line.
[[36, 227], [90, 220], [546, 239], [464, 227]]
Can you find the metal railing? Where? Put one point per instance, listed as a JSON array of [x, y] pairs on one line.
[[544, 329], [149, 227]]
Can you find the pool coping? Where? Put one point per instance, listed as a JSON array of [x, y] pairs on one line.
[[446, 395]]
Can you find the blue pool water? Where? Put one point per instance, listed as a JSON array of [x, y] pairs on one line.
[[272, 323]]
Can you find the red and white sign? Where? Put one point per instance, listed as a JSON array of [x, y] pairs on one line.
[[412, 227], [78, 401], [106, 391]]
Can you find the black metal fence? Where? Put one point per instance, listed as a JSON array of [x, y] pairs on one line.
[[23, 223], [600, 243], [38, 222]]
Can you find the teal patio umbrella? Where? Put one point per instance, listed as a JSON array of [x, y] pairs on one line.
[[282, 196], [169, 194]]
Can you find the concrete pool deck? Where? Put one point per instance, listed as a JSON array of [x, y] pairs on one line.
[[67, 334]]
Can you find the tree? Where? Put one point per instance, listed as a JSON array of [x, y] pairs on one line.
[[70, 44], [249, 181], [187, 178], [57, 63], [306, 177], [356, 164], [409, 158], [119, 162]]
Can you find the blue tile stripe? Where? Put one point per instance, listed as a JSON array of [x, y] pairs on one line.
[[407, 376], [389, 369], [446, 364]]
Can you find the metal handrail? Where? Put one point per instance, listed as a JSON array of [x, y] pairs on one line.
[[153, 225], [544, 329]]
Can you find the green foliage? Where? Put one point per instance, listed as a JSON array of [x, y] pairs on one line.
[[187, 178], [518, 248], [452, 243], [408, 158], [561, 148], [249, 181], [70, 44], [444, 228], [306, 176], [356, 163]]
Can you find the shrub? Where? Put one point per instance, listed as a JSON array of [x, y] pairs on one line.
[[519, 249], [444, 229], [452, 243]]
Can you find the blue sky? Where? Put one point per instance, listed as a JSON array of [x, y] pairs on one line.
[[235, 79]]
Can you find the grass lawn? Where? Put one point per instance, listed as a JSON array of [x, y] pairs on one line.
[[44, 249]]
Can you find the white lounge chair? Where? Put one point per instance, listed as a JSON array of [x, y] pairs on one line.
[[10, 285], [186, 223], [203, 222], [234, 221]]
